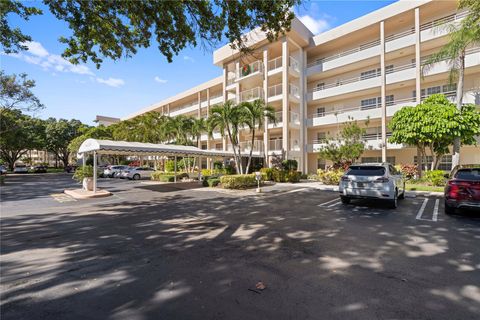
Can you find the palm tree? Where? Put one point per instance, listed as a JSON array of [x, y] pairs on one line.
[[226, 118], [253, 116], [461, 38], [199, 126], [180, 127]]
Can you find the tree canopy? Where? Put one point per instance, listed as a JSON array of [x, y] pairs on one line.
[[16, 93], [117, 29], [434, 124], [59, 133]]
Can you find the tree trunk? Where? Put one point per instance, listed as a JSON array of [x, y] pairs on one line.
[[434, 158], [457, 141], [234, 150], [419, 161], [251, 150]]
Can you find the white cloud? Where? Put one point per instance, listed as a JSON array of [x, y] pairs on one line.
[[159, 80], [36, 49], [315, 25], [112, 82], [188, 58]]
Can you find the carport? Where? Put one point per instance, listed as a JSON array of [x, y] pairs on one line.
[[108, 147]]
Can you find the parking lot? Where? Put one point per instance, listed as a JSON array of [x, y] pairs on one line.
[[182, 252]]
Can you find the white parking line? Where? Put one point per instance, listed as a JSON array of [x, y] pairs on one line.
[[297, 190], [335, 204], [325, 203], [435, 210], [422, 208]]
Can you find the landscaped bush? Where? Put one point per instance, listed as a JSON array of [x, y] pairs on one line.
[[293, 176], [213, 182], [279, 175], [290, 165], [267, 174], [434, 178], [331, 177], [84, 172], [170, 166], [238, 181], [167, 177], [409, 171]]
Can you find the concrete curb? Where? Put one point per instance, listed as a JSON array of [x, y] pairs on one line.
[[82, 194]]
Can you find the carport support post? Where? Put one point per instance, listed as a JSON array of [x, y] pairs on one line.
[[199, 168], [175, 171], [94, 171]]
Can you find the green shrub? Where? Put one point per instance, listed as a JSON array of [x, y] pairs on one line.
[[293, 176], [170, 166], [409, 171], [206, 172], [218, 165], [267, 173], [331, 177], [290, 165], [213, 182], [238, 181], [279, 175], [434, 178], [167, 177], [304, 176], [84, 172]]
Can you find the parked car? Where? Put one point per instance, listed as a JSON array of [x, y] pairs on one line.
[[39, 169], [372, 181], [137, 173], [3, 170], [123, 174], [110, 171], [463, 188], [20, 168]]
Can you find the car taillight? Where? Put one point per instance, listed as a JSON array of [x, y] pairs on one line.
[[382, 180], [455, 188], [345, 178]]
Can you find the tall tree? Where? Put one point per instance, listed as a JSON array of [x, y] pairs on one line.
[[181, 127], [226, 118], [100, 132], [19, 134], [16, 93], [59, 134], [117, 29], [435, 124], [253, 115], [462, 36]]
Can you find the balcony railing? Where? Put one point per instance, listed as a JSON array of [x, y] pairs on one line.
[[251, 94], [249, 69], [278, 117], [246, 146], [275, 63], [375, 136], [275, 90], [231, 81], [294, 90], [435, 23], [294, 64], [275, 144], [346, 81]]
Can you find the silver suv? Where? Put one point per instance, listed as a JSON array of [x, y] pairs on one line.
[[372, 181]]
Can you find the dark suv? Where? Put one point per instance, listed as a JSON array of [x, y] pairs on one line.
[[463, 189]]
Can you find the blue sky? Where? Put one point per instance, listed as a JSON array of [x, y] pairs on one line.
[[121, 87]]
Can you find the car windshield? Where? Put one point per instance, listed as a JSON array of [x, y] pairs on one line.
[[468, 174], [366, 171]]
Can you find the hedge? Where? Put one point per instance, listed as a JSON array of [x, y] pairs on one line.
[[238, 181], [331, 177], [167, 177]]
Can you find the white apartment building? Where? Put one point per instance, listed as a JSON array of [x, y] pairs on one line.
[[365, 69]]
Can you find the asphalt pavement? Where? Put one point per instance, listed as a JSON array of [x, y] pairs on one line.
[[183, 252]]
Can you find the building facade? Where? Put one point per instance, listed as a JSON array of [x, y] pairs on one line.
[[366, 69]]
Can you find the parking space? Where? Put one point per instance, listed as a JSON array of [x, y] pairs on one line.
[[196, 253]]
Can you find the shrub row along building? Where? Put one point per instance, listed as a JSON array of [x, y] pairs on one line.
[[365, 69]]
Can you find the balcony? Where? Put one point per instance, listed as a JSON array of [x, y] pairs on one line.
[[251, 94], [190, 107], [250, 70], [294, 91], [275, 145], [372, 142], [428, 31], [294, 118], [278, 120], [343, 86], [275, 92], [275, 65], [294, 64]]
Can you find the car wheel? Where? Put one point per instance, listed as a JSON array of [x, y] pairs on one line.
[[345, 200], [449, 209], [394, 202], [136, 177], [402, 196]]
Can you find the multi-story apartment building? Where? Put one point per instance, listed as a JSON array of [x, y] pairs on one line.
[[365, 69]]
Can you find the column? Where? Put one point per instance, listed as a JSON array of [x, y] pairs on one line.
[[303, 110], [225, 73], [94, 171], [199, 96], [383, 91], [208, 138], [168, 109], [237, 86], [285, 119], [418, 67], [265, 92]]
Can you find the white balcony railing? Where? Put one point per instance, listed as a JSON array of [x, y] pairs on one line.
[[341, 82], [251, 94], [275, 144], [249, 69], [278, 117], [294, 64], [275, 63], [275, 90], [435, 23], [294, 91], [246, 146]]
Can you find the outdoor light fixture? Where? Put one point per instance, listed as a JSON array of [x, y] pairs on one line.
[[258, 177]]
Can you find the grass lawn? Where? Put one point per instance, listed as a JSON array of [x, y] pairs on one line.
[[422, 187]]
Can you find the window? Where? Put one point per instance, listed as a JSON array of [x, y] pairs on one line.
[[389, 100], [321, 164], [377, 160], [321, 137], [366, 171], [321, 112], [204, 147], [449, 88], [368, 104], [320, 86], [389, 69], [368, 74], [445, 163], [434, 90]]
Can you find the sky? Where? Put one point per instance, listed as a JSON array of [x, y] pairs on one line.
[[122, 87]]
